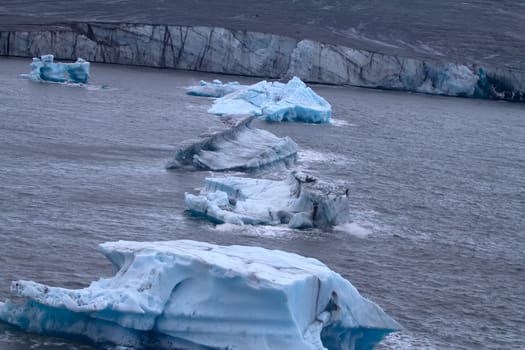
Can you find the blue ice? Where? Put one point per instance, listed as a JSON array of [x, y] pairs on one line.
[[275, 101], [298, 201], [239, 147], [214, 89], [196, 295], [45, 69]]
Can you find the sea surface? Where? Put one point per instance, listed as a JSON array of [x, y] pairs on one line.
[[437, 190]]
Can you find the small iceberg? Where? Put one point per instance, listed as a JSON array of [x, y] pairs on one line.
[[238, 147], [275, 102], [214, 89], [299, 201], [45, 69], [195, 295]]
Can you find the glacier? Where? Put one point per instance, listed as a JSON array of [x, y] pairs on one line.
[[214, 89], [275, 102], [45, 69], [196, 295], [226, 51], [299, 201], [239, 147]]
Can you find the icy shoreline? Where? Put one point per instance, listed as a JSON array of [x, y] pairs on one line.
[[220, 50]]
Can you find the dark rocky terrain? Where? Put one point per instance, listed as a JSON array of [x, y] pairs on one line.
[[471, 31]]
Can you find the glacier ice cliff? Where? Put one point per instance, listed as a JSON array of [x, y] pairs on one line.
[[196, 295], [220, 50], [239, 147], [45, 69], [214, 89], [275, 102], [299, 201]]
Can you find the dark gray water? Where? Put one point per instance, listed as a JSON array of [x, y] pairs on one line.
[[438, 183]]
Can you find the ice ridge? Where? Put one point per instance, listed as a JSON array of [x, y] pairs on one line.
[[239, 147]]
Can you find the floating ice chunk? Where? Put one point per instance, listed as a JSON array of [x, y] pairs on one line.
[[299, 202], [240, 147], [214, 89], [44, 69], [195, 295], [275, 101]]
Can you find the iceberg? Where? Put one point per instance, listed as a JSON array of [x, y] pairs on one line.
[[239, 147], [275, 102], [194, 295], [45, 69], [214, 89], [299, 201]]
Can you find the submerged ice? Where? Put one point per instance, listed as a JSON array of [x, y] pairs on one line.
[[214, 89], [45, 69], [195, 295], [238, 147], [275, 101], [298, 201]]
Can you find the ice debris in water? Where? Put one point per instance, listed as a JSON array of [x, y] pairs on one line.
[[195, 295], [275, 101], [239, 146], [298, 201], [214, 89], [44, 69]]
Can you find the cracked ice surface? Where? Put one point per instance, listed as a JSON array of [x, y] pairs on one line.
[[298, 201], [214, 89], [196, 295], [275, 101], [239, 147], [44, 69]]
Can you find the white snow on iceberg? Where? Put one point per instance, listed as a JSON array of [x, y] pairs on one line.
[[214, 89], [275, 101], [195, 295], [239, 147], [45, 69], [298, 201]]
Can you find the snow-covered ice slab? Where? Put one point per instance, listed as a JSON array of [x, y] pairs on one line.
[[298, 201], [275, 101], [45, 69], [214, 89], [239, 147], [195, 295]]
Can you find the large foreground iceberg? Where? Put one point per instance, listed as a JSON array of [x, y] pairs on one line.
[[298, 201], [195, 295], [275, 101], [45, 69], [214, 89], [239, 147]]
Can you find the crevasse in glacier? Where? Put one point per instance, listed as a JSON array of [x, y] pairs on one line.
[[214, 89], [239, 146], [196, 295], [275, 101], [45, 69], [299, 201]]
